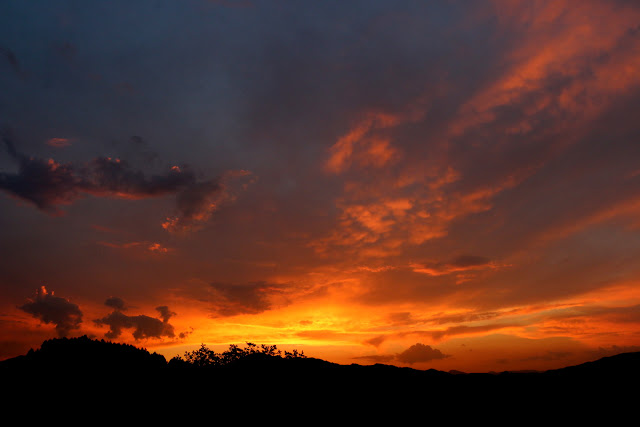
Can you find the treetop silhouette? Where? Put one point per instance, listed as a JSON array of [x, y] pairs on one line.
[[204, 356]]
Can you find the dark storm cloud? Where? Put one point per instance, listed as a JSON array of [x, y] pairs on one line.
[[47, 307], [250, 298], [143, 326]]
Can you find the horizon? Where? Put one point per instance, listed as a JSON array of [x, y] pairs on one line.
[[273, 351], [452, 186]]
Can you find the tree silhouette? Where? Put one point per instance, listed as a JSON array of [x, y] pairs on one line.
[[204, 356]]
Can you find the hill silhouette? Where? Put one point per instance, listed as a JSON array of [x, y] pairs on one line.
[[83, 353], [103, 369]]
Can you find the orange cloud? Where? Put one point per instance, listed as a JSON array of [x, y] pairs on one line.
[[361, 146], [58, 142], [152, 247]]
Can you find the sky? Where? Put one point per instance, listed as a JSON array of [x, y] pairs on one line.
[[447, 185]]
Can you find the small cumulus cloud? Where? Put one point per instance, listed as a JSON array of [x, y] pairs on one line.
[[48, 308], [419, 352]]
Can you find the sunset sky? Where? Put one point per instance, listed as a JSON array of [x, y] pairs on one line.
[[435, 184]]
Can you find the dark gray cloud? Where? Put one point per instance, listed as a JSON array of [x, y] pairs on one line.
[[250, 298], [47, 307], [165, 313], [48, 184], [143, 326]]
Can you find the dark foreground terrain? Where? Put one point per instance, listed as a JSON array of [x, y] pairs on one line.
[[80, 370]]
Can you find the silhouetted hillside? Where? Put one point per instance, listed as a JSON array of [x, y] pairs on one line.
[[64, 366], [85, 354]]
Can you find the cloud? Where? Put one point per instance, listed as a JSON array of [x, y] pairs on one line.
[[153, 247], [165, 313], [376, 341], [48, 184], [458, 264], [418, 353], [401, 318], [58, 142], [465, 330], [143, 326], [377, 358], [356, 147], [250, 298], [52, 309], [115, 303]]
